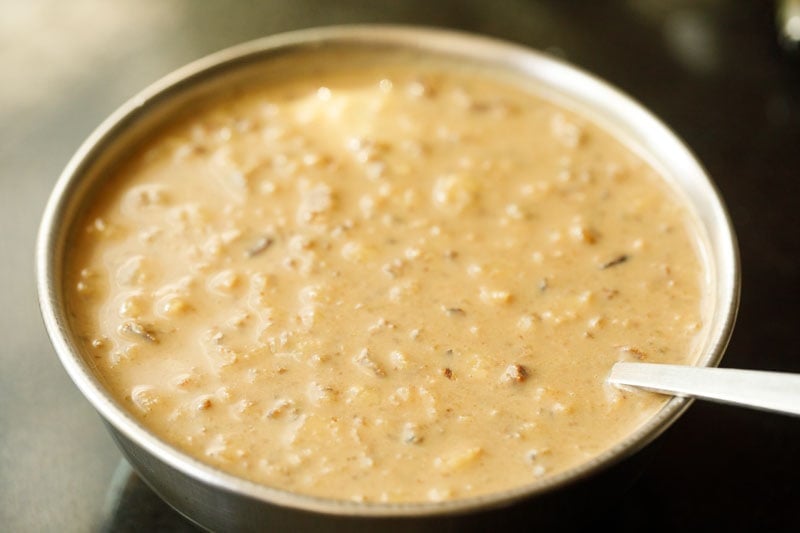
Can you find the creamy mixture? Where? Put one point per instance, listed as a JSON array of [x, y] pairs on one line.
[[404, 284]]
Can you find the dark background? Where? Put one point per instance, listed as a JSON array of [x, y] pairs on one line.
[[711, 69]]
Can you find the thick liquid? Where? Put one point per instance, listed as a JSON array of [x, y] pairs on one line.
[[385, 285]]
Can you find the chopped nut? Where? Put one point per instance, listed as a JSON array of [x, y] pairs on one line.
[[318, 393], [440, 494], [144, 397], [182, 381], [634, 351], [398, 360], [515, 373], [393, 268], [314, 203], [279, 408], [411, 434], [584, 234], [457, 460], [454, 193], [259, 246], [365, 361], [175, 305], [567, 132], [224, 282], [495, 297], [132, 327], [146, 195], [99, 343], [356, 252], [203, 403]]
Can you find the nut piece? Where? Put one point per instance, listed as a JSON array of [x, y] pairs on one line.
[[144, 397], [411, 434], [584, 234], [132, 327], [454, 193], [315, 203], [632, 353], [457, 460], [260, 246], [365, 361], [515, 374], [495, 297]]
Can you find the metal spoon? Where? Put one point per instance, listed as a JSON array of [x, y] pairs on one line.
[[769, 391]]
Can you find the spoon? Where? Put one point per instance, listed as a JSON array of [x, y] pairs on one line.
[[769, 391]]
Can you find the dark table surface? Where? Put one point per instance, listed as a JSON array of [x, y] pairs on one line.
[[711, 69]]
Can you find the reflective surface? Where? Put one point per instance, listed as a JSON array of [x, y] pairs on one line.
[[756, 389], [710, 69]]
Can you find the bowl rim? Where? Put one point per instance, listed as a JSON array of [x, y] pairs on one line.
[[504, 54]]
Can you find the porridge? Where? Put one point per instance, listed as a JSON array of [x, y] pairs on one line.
[[395, 284]]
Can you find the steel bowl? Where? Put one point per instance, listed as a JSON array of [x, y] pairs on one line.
[[219, 501]]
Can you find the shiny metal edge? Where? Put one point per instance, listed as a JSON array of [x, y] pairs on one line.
[[560, 76]]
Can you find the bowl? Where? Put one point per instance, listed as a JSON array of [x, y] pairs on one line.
[[219, 501]]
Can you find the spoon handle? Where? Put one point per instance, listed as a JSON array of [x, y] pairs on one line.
[[770, 391]]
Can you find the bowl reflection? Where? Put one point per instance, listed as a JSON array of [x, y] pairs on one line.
[[132, 506]]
